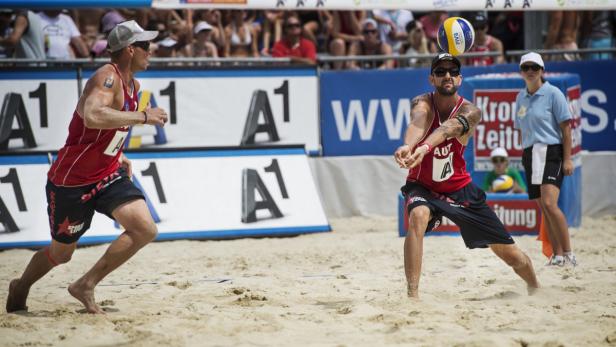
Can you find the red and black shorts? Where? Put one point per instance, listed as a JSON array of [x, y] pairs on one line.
[[543, 164], [71, 209], [467, 208]]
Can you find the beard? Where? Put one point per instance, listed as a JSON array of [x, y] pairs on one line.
[[447, 92]]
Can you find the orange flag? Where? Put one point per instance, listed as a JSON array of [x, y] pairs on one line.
[[546, 246]]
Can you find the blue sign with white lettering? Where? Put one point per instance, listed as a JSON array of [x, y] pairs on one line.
[[367, 112]]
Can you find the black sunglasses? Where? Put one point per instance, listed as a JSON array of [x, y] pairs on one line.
[[370, 31], [533, 67], [293, 25], [441, 72], [145, 45], [497, 160]]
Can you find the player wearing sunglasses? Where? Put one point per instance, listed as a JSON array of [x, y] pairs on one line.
[[438, 184]]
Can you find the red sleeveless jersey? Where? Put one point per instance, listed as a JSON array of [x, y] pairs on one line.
[[443, 170], [89, 155], [481, 61]]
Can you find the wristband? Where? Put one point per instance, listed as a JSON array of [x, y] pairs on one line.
[[427, 145], [464, 122], [145, 120]]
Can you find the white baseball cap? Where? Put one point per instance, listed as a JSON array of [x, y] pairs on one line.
[[126, 33], [499, 152], [533, 58], [202, 26]]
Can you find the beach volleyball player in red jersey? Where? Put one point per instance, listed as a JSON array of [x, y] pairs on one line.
[[92, 174], [438, 185]]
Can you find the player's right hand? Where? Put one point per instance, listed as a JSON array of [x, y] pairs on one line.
[[401, 155], [156, 116]]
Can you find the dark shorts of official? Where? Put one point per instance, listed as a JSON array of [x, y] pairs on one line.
[[466, 207], [542, 165], [71, 209]]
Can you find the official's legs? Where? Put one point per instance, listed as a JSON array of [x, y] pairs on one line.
[[551, 230], [135, 217], [558, 222], [519, 261], [40, 264], [413, 247]]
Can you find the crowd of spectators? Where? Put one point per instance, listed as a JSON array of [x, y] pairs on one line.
[[301, 35]]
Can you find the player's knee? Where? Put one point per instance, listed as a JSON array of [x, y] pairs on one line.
[[60, 258], [516, 260], [419, 218], [549, 205], [150, 232]]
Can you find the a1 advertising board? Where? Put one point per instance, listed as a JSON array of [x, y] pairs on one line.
[[194, 194], [515, 211], [213, 108], [36, 109]]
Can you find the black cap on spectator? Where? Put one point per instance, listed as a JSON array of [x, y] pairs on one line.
[[444, 57], [480, 20]]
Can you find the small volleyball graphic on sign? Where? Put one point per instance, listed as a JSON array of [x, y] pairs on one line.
[[456, 35], [502, 184]]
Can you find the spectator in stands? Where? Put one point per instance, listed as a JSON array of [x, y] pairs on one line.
[[346, 29], [27, 37], [271, 29], [240, 37], [166, 48], [6, 19], [203, 45], [370, 45], [108, 21], [293, 45], [431, 22], [392, 26], [214, 18], [62, 38], [416, 43], [313, 25], [562, 34], [509, 28], [500, 160], [597, 31], [485, 42]]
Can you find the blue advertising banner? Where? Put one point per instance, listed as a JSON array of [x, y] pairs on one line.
[[367, 112]]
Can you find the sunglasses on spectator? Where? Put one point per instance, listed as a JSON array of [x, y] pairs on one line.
[[498, 160], [293, 25], [145, 45], [441, 72], [533, 67], [370, 31]]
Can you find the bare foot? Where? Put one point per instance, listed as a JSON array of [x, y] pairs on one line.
[[86, 296], [412, 291], [532, 290], [16, 300]]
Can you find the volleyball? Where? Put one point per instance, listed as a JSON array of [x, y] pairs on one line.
[[456, 35], [502, 184]]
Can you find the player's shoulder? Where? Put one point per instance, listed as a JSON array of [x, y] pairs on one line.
[[106, 76], [467, 104], [421, 99]]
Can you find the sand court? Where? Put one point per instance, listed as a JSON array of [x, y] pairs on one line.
[[344, 288]]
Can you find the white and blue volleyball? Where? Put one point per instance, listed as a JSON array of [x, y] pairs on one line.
[[456, 35]]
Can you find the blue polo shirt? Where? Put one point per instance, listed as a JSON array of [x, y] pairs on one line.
[[538, 116]]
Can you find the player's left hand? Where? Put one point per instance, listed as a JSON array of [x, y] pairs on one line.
[[126, 164], [568, 167]]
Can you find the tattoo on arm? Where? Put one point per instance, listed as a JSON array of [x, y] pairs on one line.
[[455, 128], [108, 82]]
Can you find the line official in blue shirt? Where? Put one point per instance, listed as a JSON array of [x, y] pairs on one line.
[[543, 118]]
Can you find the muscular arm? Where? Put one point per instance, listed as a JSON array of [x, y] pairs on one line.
[[453, 128], [98, 111], [420, 122], [21, 24]]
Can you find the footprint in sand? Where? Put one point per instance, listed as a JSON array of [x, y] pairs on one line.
[[573, 289], [180, 285]]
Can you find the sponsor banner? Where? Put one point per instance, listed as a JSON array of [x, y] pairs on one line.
[[38, 109], [366, 112], [422, 6], [197, 194], [515, 211], [226, 108], [495, 95]]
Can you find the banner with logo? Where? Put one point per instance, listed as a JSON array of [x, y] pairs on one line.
[[191, 195], [515, 211], [495, 95], [207, 108]]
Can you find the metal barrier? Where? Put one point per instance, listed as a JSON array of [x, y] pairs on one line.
[[323, 61]]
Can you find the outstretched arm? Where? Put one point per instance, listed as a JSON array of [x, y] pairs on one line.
[[420, 122], [459, 126]]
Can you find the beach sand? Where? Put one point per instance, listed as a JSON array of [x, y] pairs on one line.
[[344, 288]]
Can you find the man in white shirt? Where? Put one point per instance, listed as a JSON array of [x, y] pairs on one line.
[[392, 26], [61, 36]]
